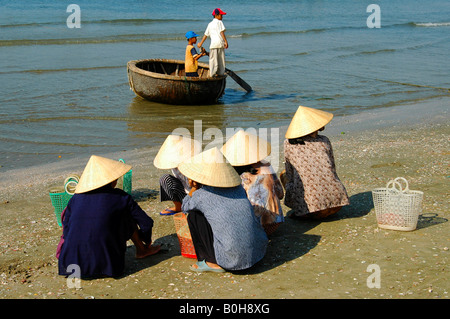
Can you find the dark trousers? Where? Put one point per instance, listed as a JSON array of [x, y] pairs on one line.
[[202, 236], [192, 74]]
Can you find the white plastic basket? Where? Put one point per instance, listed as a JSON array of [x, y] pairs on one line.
[[396, 207]]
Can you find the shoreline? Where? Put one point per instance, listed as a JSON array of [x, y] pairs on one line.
[[326, 259], [417, 113]]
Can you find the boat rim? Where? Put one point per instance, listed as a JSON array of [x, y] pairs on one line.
[[131, 65]]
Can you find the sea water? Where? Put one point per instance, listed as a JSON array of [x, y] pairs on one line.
[[65, 93]]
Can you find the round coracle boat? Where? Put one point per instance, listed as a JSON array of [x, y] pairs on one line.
[[165, 81]]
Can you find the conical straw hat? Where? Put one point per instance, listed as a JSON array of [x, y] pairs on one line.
[[244, 148], [100, 171], [306, 121], [175, 149], [210, 168]]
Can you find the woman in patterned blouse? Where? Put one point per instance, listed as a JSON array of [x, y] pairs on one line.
[[313, 188]]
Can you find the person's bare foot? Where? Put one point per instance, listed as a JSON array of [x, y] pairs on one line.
[[148, 251], [212, 265]]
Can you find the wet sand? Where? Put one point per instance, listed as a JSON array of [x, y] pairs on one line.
[[327, 259]]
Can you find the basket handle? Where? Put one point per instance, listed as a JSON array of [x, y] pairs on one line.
[[123, 161], [406, 189], [395, 184], [70, 187], [72, 177]]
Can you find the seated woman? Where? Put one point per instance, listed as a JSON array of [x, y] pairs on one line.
[[99, 220], [223, 226], [174, 150], [313, 188], [246, 153]]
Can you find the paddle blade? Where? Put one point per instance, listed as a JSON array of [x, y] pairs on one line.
[[238, 80]]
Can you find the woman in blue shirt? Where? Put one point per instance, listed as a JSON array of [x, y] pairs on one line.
[[225, 232]]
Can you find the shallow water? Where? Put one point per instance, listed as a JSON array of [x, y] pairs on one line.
[[65, 91]]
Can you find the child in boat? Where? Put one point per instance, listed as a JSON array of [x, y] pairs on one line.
[[216, 31], [192, 56]]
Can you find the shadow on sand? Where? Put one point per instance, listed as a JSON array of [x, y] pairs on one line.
[[290, 240], [430, 219], [169, 248], [287, 243]]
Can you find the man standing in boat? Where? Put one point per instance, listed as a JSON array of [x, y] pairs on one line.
[[191, 58], [216, 31]]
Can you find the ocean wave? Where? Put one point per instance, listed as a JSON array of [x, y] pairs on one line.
[[389, 50], [418, 24], [378, 51], [301, 53], [62, 118], [141, 38], [415, 85], [102, 21], [432, 24], [92, 40], [304, 31], [40, 71], [339, 28], [16, 141], [138, 21], [31, 24], [274, 33]]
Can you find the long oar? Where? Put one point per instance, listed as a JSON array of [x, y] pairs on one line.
[[238, 80], [234, 76]]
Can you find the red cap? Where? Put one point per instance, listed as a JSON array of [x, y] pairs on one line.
[[218, 11]]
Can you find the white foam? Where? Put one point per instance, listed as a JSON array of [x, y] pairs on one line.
[[433, 24]]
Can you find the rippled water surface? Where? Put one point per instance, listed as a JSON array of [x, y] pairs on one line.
[[65, 91]]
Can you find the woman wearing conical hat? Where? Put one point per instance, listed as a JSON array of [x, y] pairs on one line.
[[175, 187], [247, 152], [223, 226], [99, 220], [313, 188]]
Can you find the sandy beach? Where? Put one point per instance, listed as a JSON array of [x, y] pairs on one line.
[[327, 259]]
